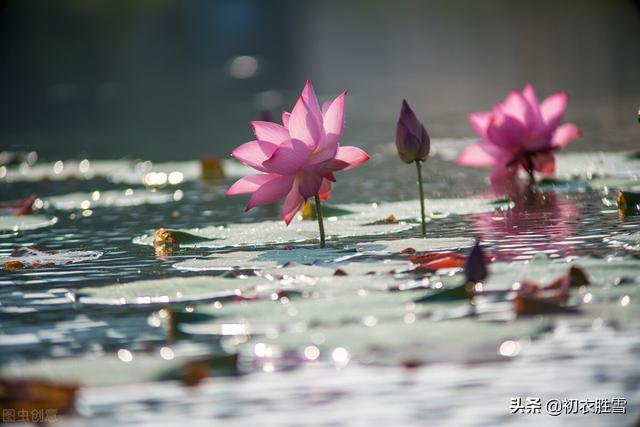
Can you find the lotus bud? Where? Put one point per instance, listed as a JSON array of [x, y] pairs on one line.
[[412, 139], [475, 268]]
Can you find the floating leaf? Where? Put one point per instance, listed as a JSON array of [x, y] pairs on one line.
[[261, 259], [619, 303], [417, 244], [445, 341], [112, 198], [68, 169], [119, 171], [26, 222], [127, 367], [456, 293], [276, 232], [170, 290], [374, 328], [342, 269], [563, 186], [630, 241], [410, 209], [543, 270], [332, 309], [363, 222], [28, 257], [588, 165], [191, 170]]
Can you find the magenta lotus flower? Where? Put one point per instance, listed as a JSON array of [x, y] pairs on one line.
[[520, 133], [299, 158]]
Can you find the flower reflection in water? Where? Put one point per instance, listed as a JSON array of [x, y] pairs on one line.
[[538, 222]]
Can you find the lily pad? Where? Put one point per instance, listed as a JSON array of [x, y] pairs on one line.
[[410, 209], [342, 269], [331, 309], [125, 367], [373, 327], [276, 232], [420, 245], [619, 303], [26, 222], [34, 258], [362, 223], [149, 173], [422, 341], [562, 186], [540, 269], [170, 290], [260, 259], [619, 164], [112, 198], [456, 293], [119, 171], [630, 241], [67, 169]]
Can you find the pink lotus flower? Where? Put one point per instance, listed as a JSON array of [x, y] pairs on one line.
[[299, 158], [520, 133]]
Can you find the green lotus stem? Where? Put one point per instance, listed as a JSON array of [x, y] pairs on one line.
[[421, 189], [532, 177], [528, 166], [320, 223]]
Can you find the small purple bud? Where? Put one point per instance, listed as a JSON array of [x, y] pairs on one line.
[[475, 267], [412, 139]]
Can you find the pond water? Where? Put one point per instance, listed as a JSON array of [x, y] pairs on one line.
[[440, 373], [171, 81]]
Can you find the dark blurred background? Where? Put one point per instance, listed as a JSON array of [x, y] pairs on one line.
[[171, 79]]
